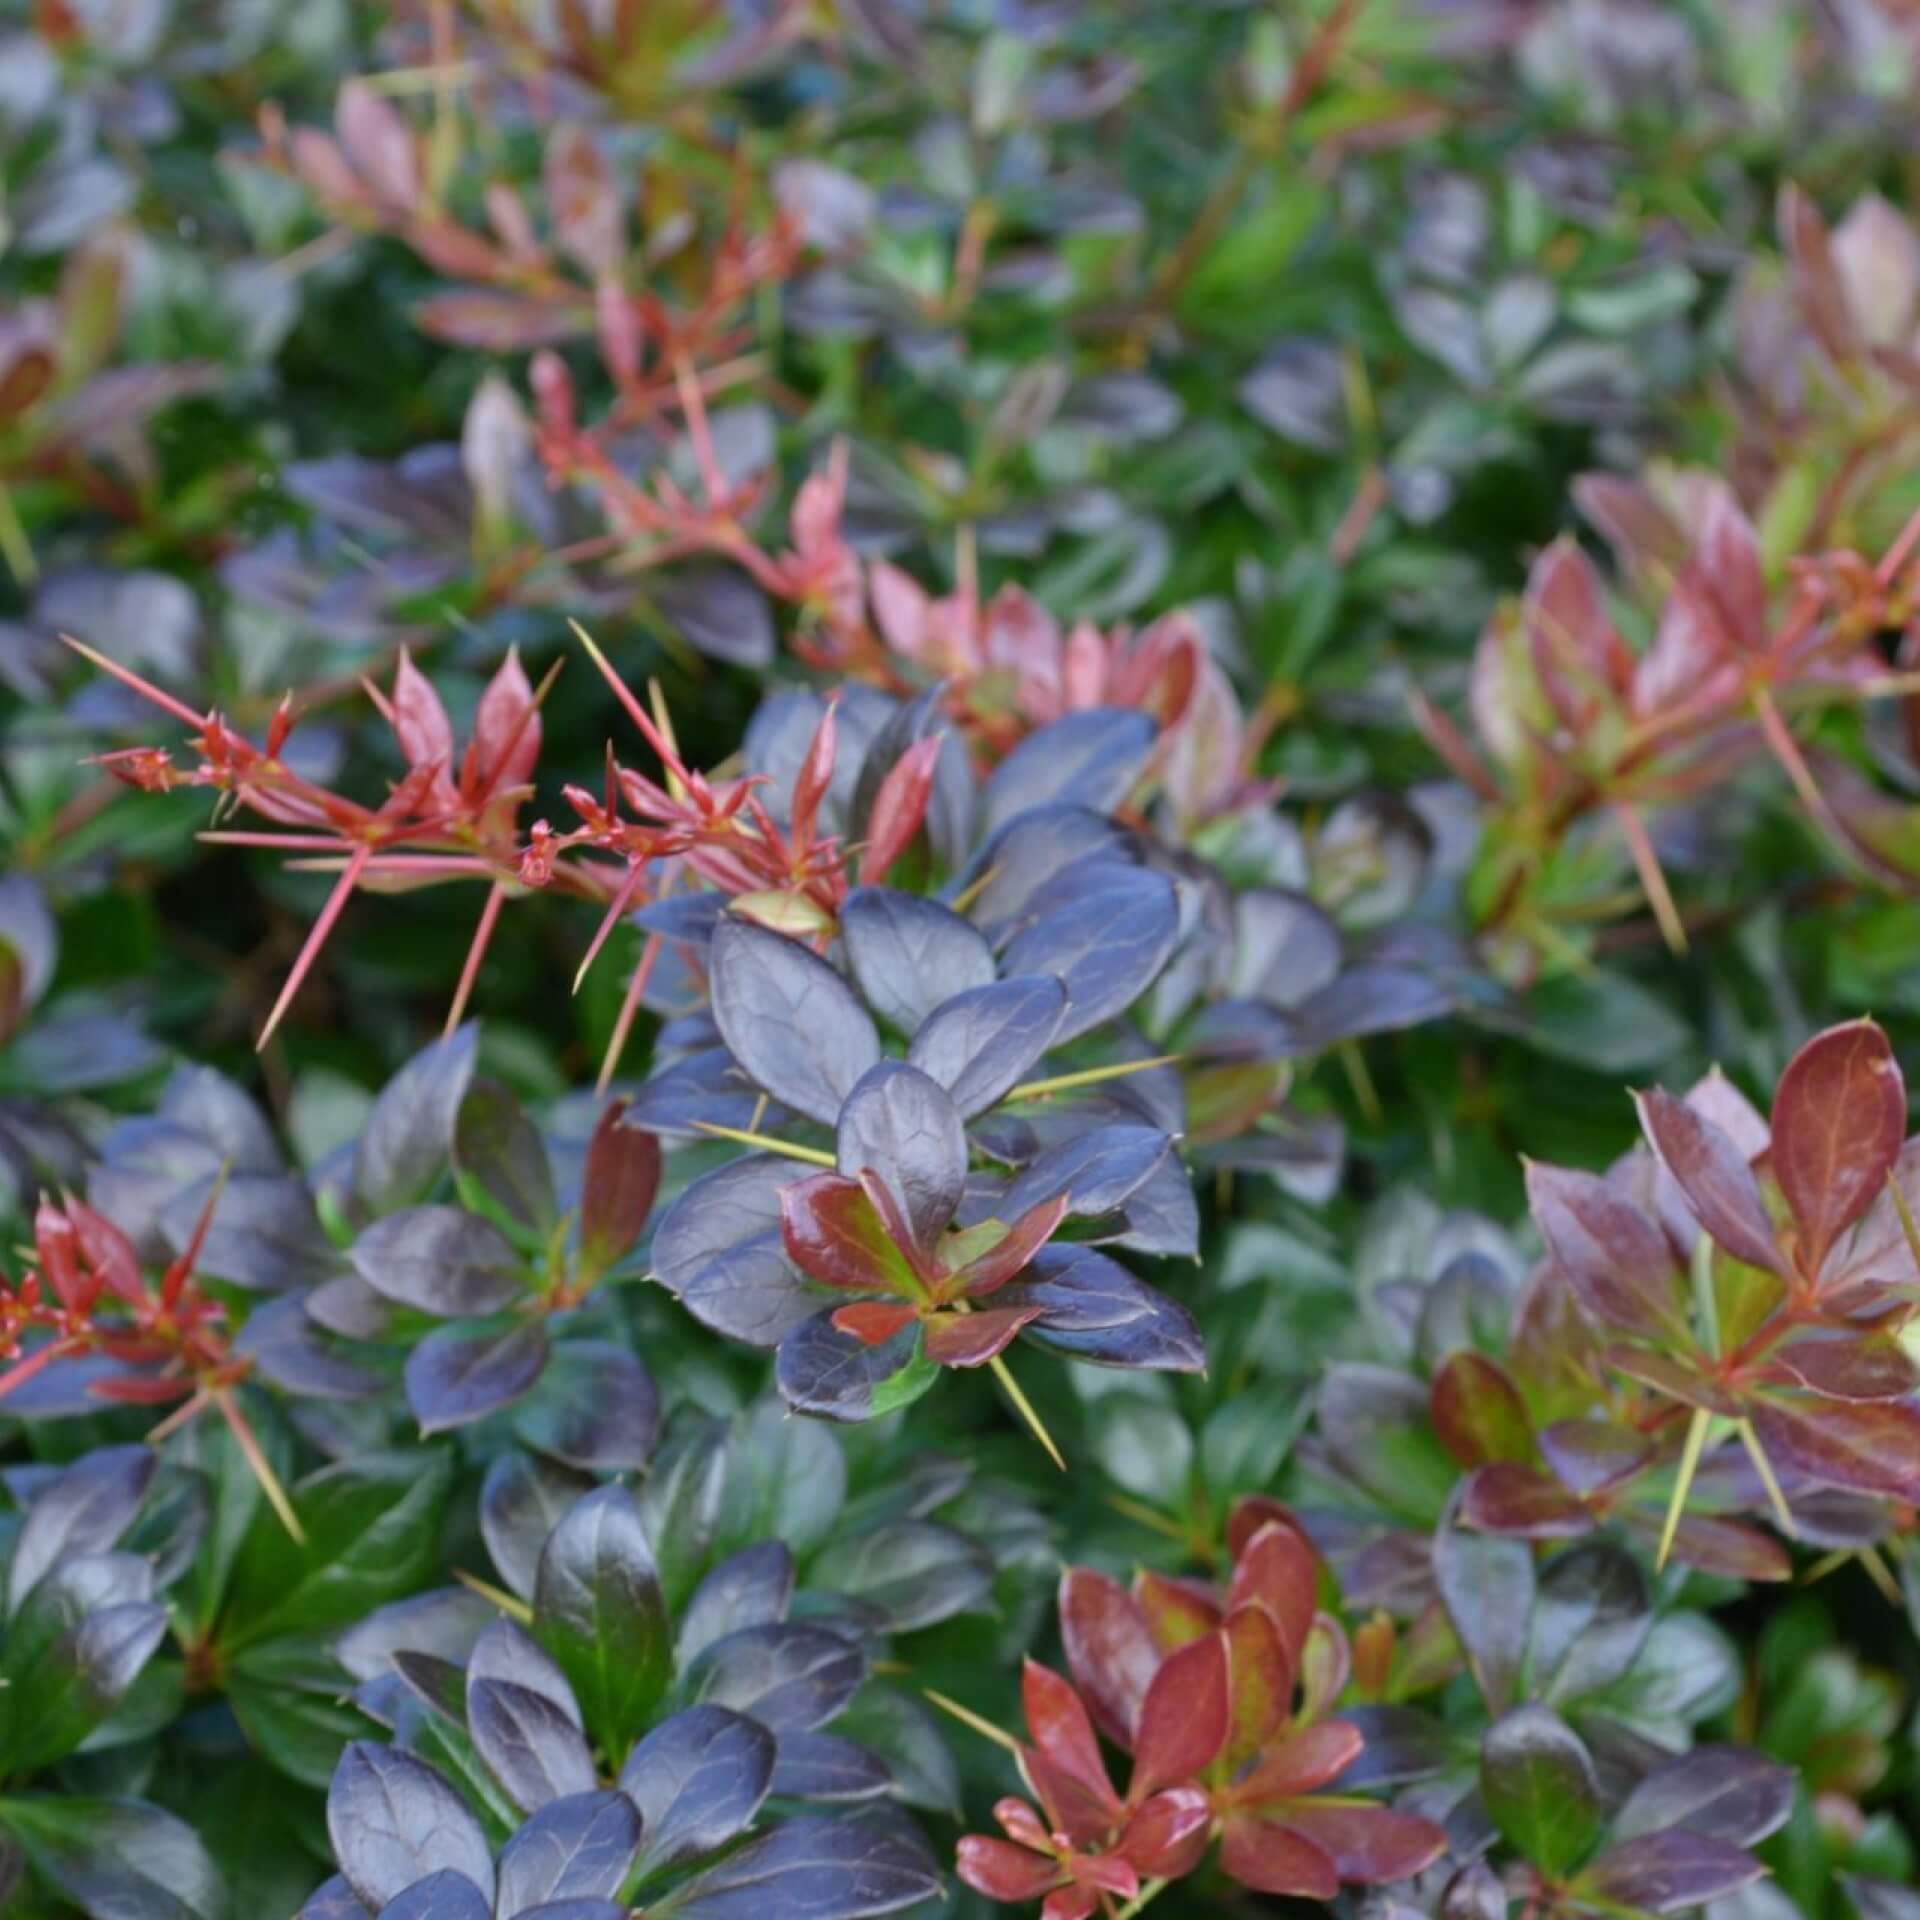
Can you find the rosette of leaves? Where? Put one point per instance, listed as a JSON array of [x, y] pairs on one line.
[[1056, 929], [92, 1552], [1593, 747], [1750, 1369], [658, 1696], [1749, 1273], [56, 1055], [1225, 1697]]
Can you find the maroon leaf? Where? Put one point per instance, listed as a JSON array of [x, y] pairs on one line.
[[506, 728], [1003, 1871], [1509, 1498], [1713, 1544], [1726, 568], [380, 144], [1010, 1257], [419, 720], [1713, 1174], [972, 1339], [874, 1322], [1178, 1611], [1276, 1568], [1300, 1765], [1166, 1838], [1666, 1872], [1110, 1649], [1817, 281], [1616, 1260], [1065, 1761], [1839, 1117], [1575, 648], [1270, 1857], [1866, 1446], [1184, 1718], [833, 1234], [899, 808], [617, 1189], [1679, 1375], [1850, 1366], [1260, 1679], [1372, 1845], [1478, 1412]]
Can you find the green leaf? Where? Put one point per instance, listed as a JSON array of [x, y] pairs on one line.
[[116, 1859], [599, 1610], [1540, 1787], [372, 1529]]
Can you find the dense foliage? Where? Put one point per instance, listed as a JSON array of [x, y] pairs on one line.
[[956, 954]]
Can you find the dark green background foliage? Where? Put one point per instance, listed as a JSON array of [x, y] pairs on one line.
[[957, 951]]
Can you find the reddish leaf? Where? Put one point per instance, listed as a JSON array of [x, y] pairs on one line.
[[107, 1251], [1010, 1256], [1839, 1118], [1003, 1871], [617, 1189], [1277, 1568], [1726, 567], [1713, 1174], [1184, 1718], [1325, 1662], [1083, 1802], [1816, 280], [972, 1339], [1713, 1544], [1110, 1649], [874, 1322], [380, 144], [1681, 1376], [1167, 1837], [1259, 1679], [899, 808], [1865, 1446], [27, 376], [815, 776], [582, 202], [1371, 1845], [1478, 1412], [1312, 1758], [1178, 1611], [1249, 1515], [1270, 1857], [1616, 1260], [1576, 651], [419, 720], [506, 728], [1847, 1366], [1509, 1498], [834, 1236]]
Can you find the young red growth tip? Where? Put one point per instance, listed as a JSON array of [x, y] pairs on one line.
[[1222, 1694]]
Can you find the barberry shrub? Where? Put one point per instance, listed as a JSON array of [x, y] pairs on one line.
[[958, 957]]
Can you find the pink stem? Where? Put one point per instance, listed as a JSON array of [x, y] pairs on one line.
[[336, 902], [482, 934]]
